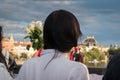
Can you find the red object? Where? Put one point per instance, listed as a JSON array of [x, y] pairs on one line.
[[39, 52], [77, 48], [71, 55], [73, 52]]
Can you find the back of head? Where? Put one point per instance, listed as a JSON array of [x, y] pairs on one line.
[[0, 38], [2, 59], [113, 69], [61, 31]]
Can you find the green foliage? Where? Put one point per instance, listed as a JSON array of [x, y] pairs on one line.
[[23, 55], [36, 38], [114, 51], [94, 54], [15, 56]]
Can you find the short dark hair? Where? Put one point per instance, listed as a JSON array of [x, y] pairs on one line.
[[0, 38], [2, 58], [61, 31], [113, 69]]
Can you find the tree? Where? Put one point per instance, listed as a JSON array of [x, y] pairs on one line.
[[114, 51], [94, 54], [23, 56], [34, 30]]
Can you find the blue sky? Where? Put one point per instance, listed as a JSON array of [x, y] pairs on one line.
[[98, 18]]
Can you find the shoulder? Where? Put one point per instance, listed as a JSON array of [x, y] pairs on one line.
[[2, 65], [4, 74], [79, 65], [78, 72], [30, 62]]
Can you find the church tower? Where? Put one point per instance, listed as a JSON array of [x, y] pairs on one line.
[[11, 38]]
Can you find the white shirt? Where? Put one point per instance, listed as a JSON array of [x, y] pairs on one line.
[[6, 55], [4, 74], [58, 68]]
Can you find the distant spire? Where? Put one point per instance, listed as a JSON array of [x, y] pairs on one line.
[[11, 38]]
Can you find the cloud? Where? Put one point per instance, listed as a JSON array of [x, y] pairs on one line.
[[101, 5], [20, 11], [62, 2], [12, 24], [15, 28], [99, 18], [16, 36]]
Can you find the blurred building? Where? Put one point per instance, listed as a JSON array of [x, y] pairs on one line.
[[17, 48], [8, 43], [90, 42]]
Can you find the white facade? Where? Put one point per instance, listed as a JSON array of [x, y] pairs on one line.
[[22, 49]]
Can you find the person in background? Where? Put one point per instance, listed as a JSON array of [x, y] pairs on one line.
[[6, 54], [81, 55], [60, 33], [10, 61], [77, 55], [4, 74], [113, 69]]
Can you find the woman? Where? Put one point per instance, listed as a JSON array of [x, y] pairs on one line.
[[4, 74], [60, 33], [77, 55]]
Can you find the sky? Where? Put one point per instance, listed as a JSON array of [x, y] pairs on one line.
[[98, 18]]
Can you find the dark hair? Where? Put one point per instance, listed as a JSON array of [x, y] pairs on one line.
[[61, 31], [0, 38], [2, 58], [113, 69], [0, 41]]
